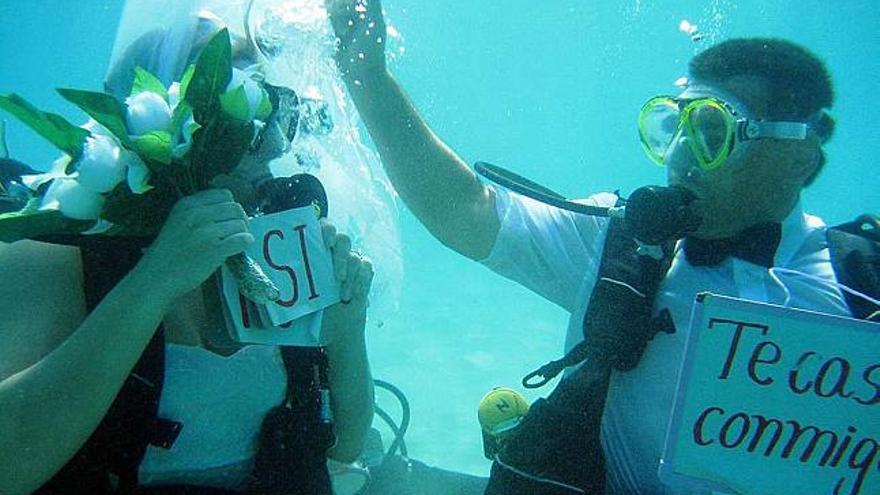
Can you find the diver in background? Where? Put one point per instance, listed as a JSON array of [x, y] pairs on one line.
[[746, 186], [62, 366]]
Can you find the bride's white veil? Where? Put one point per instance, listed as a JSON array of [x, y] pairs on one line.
[[159, 35]]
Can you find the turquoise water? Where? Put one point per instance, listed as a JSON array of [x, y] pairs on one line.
[[550, 89]]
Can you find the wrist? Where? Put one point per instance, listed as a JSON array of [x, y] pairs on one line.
[[152, 276], [361, 76], [344, 326]]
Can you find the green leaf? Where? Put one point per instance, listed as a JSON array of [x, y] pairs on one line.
[[219, 147], [154, 145], [138, 214], [4, 151], [235, 104], [186, 79], [102, 107], [145, 81], [181, 112], [28, 224], [265, 108], [210, 78], [54, 128]]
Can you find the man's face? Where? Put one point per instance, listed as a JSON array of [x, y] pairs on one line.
[[755, 183]]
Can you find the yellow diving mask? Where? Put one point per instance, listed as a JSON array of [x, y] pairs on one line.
[[712, 128]]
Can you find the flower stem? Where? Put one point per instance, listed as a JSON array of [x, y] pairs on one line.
[[252, 282]]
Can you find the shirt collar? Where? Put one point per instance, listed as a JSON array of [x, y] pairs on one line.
[[796, 227]]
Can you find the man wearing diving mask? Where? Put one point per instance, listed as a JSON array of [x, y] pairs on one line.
[[741, 143], [721, 148]]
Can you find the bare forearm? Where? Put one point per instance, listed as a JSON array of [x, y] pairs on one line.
[[51, 408], [351, 389], [434, 182]]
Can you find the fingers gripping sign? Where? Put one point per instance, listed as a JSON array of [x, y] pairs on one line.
[[345, 322], [353, 271]]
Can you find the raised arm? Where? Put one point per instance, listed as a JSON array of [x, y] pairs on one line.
[[434, 182], [60, 369]]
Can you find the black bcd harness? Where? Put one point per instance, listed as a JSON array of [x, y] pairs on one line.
[[557, 449]]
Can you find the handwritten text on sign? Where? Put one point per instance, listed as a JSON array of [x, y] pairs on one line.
[[777, 401], [291, 252]]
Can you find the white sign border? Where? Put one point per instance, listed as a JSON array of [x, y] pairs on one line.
[[666, 470]]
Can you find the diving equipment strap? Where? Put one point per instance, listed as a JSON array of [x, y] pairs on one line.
[[855, 256]]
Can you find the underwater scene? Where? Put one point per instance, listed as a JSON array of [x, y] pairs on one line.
[[553, 91]]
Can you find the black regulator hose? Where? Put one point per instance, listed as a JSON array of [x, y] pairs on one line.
[[654, 213]]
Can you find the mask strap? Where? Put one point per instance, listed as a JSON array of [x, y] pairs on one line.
[[755, 129]]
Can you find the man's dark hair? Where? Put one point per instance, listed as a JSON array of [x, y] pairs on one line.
[[798, 83]]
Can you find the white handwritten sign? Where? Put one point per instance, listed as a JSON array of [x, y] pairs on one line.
[[290, 249], [773, 400]]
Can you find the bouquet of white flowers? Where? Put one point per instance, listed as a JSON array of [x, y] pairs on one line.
[[124, 170]]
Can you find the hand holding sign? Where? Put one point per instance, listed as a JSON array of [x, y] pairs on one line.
[[201, 231], [354, 273], [290, 246], [352, 270]]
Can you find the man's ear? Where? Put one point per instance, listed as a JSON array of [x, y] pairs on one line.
[[815, 160], [806, 157]]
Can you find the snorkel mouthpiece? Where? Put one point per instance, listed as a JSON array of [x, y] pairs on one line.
[[656, 214]]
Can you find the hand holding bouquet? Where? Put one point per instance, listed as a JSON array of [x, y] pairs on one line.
[[123, 171]]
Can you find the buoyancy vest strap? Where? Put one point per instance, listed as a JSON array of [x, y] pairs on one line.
[[618, 321], [558, 445], [855, 256], [295, 436]]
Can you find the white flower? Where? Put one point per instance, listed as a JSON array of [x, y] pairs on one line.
[[33, 182], [147, 112], [100, 169], [72, 199], [184, 138], [180, 150], [252, 91], [95, 128], [138, 173], [174, 94]]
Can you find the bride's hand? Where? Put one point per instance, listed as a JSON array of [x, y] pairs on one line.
[[345, 320], [360, 27]]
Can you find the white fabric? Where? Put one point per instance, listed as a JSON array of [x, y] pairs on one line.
[[556, 254], [221, 402]]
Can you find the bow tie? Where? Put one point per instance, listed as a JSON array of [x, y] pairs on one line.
[[755, 244]]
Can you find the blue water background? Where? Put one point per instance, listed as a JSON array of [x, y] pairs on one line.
[[550, 89]]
